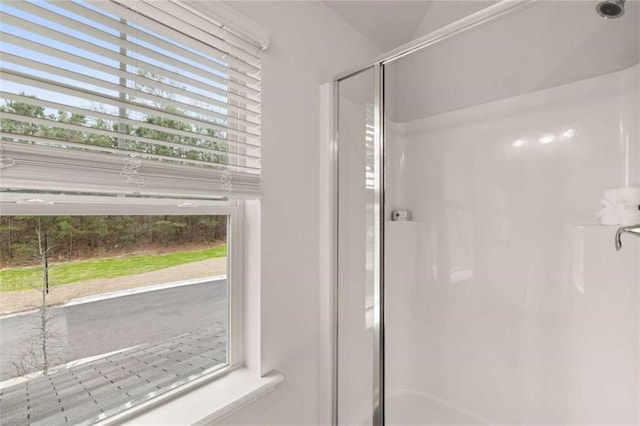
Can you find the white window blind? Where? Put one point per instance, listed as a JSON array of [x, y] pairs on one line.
[[104, 98]]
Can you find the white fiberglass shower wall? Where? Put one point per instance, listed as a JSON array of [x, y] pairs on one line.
[[505, 300]]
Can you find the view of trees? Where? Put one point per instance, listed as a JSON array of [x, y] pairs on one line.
[[74, 237], [184, 146], [55, 132]]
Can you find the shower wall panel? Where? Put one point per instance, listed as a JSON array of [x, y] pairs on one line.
[[515, 306]]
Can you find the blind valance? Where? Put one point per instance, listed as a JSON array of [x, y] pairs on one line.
[[104, 98]]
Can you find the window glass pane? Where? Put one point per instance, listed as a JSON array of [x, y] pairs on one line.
[[100, 313]]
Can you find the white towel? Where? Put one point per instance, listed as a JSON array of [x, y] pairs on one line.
[[622, 196], [621, 207]]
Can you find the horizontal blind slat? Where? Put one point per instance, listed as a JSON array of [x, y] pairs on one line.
[[150, 38], [133, 138], [111, 100], [42, 168], [38, 10], [202, 28], [40, 66], [95, 49], [123, 120], [98, 66], [44, 67], [214, 36], [11, 138]]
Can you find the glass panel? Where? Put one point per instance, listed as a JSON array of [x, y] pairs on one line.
[[507, 302], [356, 249], [100, 313]]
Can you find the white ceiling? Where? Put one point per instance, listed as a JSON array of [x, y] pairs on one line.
[[392, 23], [543, 45], [387, 24]]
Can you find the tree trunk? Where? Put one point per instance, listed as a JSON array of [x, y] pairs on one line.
[[44, 332], [10, 237], [42, 250]]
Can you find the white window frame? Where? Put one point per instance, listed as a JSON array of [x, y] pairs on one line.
[[235, 285], [18, 204]]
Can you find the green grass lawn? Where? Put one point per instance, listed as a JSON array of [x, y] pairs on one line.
[[13, 279]]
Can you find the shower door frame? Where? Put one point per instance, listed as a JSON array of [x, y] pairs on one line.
[[378, 392]]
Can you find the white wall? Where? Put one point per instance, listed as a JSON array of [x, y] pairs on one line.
[[309, 44]]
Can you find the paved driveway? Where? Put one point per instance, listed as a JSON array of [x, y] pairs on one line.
[[105, 326]]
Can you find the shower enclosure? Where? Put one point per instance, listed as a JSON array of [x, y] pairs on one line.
[[474, 282]]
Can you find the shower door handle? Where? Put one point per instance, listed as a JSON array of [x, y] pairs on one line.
[[633, 229]]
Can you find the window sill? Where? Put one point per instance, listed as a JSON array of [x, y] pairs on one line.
[[209, 402]]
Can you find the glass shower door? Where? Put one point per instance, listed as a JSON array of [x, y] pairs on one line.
[[358, 233]]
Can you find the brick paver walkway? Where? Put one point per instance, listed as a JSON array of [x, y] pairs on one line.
[[87, 393]]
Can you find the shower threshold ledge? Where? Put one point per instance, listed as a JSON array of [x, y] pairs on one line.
[[204, 403]]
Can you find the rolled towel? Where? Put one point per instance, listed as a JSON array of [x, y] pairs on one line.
[[621, 207], [619, 215], [622, 196]]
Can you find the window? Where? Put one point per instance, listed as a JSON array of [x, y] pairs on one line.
[[129, 138], [112, 311]]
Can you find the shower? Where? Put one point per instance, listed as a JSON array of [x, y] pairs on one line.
[[611, 8], [473, 282]]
